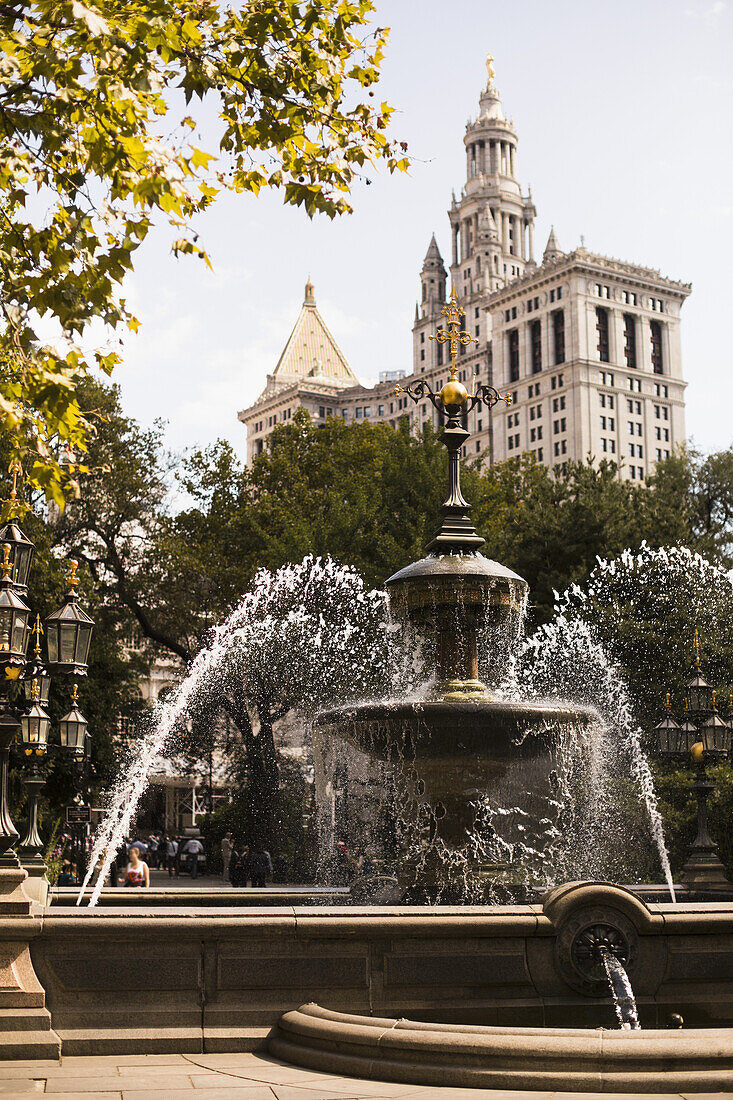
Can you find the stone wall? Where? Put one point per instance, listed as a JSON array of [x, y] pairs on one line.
[[148, 980]]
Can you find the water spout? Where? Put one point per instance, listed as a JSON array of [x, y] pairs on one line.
[[623, 995]]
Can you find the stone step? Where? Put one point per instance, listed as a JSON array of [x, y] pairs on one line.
[[231, 1040], [131, 1040], [24, 1019], [29, 1045]]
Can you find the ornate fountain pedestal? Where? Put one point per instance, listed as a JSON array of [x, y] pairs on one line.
[[460, 758]]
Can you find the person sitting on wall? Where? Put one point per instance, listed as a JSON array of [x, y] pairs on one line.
[[137, 873]]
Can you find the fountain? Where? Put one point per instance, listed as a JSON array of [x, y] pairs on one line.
[[577, 987], [450, 752]]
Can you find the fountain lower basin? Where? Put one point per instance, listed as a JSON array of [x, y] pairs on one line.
[[566, 1059]]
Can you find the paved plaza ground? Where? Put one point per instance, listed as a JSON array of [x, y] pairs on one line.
[[235, 1077]]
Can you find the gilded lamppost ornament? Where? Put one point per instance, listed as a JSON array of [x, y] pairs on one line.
[[454, 398], [456, 534]]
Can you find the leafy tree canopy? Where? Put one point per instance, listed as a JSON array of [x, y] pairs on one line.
[[97, 143]]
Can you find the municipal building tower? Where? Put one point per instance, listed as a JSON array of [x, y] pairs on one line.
[[588, 345]]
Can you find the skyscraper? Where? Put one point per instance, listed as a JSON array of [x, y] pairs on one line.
[[588, 346]]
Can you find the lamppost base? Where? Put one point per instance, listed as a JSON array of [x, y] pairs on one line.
[[13, 900], [704, 872], [36, 886]]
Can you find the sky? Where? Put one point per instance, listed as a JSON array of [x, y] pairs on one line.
[[623, 111]]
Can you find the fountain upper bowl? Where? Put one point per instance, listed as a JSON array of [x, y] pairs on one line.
[[479, 728]]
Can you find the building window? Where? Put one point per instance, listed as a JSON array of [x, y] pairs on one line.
[[628, 297], [380, 410], [321, 411], [514, 355], [629, 340], [656, 334], [536, 340], [422, 354], [606, 378], [602, 331], [558, 335], [359, 412]]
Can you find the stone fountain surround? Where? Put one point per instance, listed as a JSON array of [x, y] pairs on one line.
[[144, 980]]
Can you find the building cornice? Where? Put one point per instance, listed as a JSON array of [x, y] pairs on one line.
[[592, 264]]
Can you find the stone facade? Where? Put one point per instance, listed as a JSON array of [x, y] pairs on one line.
[[589, 346]]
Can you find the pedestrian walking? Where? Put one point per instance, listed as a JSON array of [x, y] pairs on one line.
[[236, 872], [194, 848], [171, 856], [137, 873], [258, 865], [226, 855], [153, 850]]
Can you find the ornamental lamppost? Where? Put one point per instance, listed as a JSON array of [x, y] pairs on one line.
[[34, 729], [702, 738], [25, 679]]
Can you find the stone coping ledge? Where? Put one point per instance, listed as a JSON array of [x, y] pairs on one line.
[[505, 1057]]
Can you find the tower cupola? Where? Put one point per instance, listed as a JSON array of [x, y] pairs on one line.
[[491, 202], [433, 277]]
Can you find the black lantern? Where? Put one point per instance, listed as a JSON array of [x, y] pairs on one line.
[[14, 617], [37, 688], [68, 634], [699, 695], [699, 692], [715, 734], [689, 735], [34, 727], [21, 555], [73, 729], [668, 734]]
